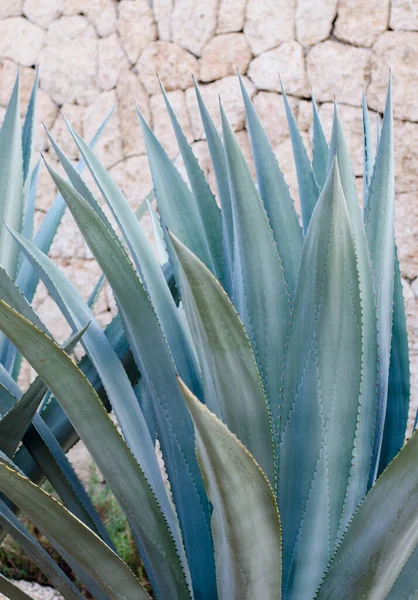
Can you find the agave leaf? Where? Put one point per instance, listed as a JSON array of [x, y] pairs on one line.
[[381, 537], [113, 458], [36, 552], [320, 149], [245, 519], [11, 181], [209, 211], [106, 568], [108, 365], [308, 187], [155, 363], [368, 150], [379, 219], [217, 155], [144, 258], [367, 417], [158, 235], [396, 419], [27, 279], [11, 591], [260, 291], [176, 204], [233, 388], [28, 130], [28, 219], [321, 393], [275, 194], [96, 291]]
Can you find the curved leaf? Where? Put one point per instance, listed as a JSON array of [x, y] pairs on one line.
[[11, 591], [233, 388], [320, 149], [245, 519]]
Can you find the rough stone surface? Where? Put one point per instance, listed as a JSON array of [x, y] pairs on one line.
[[397, 51], [360, 23], [69, 61], [42, 12], [100, 13], [10, 8], [131, 90], [335, 68], [270, 109], [111, 61], [268, 23], [314, 20], [162, 14], [231, 15], [403, 15], [288, 60], [109, 147], [173, 64], [227, 89], [193, 23], [223, 55], [136, 27], [21, 41]]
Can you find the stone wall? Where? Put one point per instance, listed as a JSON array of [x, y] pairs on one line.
[[95, 54]]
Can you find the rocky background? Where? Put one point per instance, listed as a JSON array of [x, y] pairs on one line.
[[95, 54]]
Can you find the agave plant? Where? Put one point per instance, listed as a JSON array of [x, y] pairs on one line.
[[268, 359]]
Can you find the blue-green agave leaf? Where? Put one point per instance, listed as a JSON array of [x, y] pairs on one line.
[[13, 592], [308, 187], [245, 520], [11, 181], [368, 150], [232, 384], [28, 219], [275, 194], [260, 290], [106, 568], [320, 148], [382, 538], [155, 363], [217, 155], [36, 552], [367, 416], [144, 258], [321, 393], [380, 229], [113, 458], [210, 213], [396, 419], [158, 235], [28, 130]]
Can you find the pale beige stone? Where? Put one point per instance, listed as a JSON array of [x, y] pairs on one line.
[[101, 13], [360, 23], [284, 153], [406, 224], [270, 109], [130, 91], [69, 61], [68, 242], [223, 55], [46, 190], [304, 118], [351, 118], [59, 131], [201, 151], [228, 90], [193, 23], [42, 12], [162, 14], [37, 592], [134, 178], [231, 14], [162, 124], [268, 23], [10, 8], [397, 51], [109, 147], [21, 41], [111, 61], [47, 112], [404, 14], [173, 64], [314, 20], [335, 68], [8, 74], [286, 60], [406, 156], [136, 27]]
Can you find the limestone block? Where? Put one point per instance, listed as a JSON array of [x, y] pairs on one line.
[[267, 23], [404, 14], [111, 61], [173, 64], [136, 27], [314, 20], [223, 55], [129, 91], [231, 14], [21, 41], [360, 23], [162, 124], [193, 24]]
